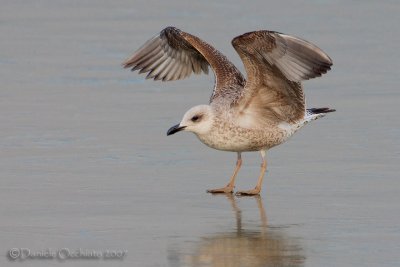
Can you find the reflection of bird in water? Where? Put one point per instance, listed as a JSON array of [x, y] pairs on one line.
[[258, 247], [243, 115]]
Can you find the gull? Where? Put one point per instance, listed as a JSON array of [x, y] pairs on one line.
[[243, 115]]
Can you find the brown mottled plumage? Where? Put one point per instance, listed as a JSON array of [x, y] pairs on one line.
[[252, 115]]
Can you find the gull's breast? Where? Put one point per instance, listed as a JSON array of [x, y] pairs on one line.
[[230, 137]]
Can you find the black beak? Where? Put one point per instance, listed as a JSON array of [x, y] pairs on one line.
[[175, 129]]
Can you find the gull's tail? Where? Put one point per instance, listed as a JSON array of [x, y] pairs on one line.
[[316, 113], [311, 114]]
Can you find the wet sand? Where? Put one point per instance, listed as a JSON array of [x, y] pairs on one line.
[[85, 161]]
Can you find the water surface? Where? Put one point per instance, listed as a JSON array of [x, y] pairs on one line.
[[85, 162]]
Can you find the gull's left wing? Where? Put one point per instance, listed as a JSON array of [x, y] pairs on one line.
[[174, 55]]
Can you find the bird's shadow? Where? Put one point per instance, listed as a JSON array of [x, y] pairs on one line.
[[262, 245]]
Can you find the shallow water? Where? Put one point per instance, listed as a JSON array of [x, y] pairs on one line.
[[85, 162]]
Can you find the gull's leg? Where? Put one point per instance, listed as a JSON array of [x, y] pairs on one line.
[[229, 187], [257, 189]]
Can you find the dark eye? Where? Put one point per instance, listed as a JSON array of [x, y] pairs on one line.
[[195, 118]]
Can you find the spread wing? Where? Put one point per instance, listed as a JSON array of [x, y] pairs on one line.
[[276, 63], [174, 55]]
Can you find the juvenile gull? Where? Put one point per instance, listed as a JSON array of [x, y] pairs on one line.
[[243, 115]]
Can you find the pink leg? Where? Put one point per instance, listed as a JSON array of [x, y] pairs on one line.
[[257, 189], [229, 187]]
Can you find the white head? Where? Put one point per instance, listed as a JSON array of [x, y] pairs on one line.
[[198, 120]]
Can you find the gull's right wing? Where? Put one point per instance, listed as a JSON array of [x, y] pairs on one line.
[[276, 64]]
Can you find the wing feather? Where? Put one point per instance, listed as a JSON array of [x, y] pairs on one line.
[[276, 63], [173, 55]]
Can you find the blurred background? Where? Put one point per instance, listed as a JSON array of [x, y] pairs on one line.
[[85, 161]]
